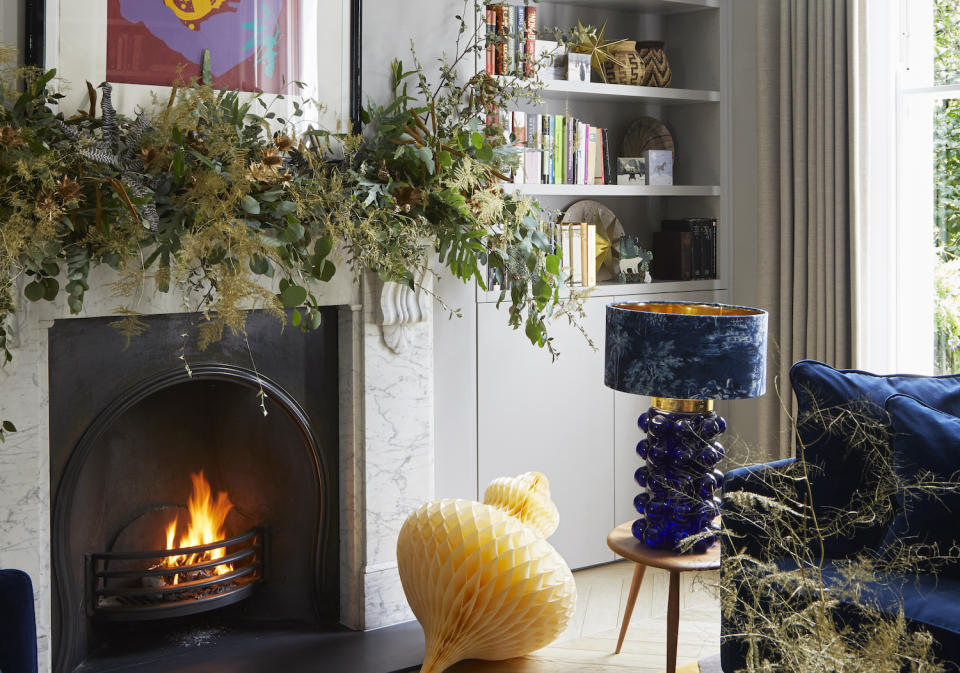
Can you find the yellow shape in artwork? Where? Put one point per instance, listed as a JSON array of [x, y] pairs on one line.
[[193, 11]]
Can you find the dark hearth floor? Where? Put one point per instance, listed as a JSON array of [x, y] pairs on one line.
[[395, 648]]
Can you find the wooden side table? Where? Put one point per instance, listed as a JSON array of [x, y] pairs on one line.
[[622, 542]]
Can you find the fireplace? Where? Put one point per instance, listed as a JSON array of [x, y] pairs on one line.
[[194, 492]]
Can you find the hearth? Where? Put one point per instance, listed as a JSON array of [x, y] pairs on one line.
[[184, 511]]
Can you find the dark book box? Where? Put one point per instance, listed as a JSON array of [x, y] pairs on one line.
[[672, 255]]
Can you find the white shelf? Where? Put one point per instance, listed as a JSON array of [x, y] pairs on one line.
[[646, 6], [614, 289], [613, 190], [592, 91]]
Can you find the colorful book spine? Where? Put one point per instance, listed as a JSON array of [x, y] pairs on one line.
[[569, 175], [520, 142], [531, 41], [583, 153], [594, 161], [608, 175], [510, 33], [491, 37], [591, 258], [559, 143], [501, 45], [553, 149], [519, 39], [546, 148], [532, 169]]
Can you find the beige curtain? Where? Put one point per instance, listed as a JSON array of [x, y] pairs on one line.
[[807, 110]]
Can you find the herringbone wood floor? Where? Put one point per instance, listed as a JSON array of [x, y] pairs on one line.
[[588, 644]]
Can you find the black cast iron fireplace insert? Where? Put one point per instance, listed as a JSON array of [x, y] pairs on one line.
[[128, 428]]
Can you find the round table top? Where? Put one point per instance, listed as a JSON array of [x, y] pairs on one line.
[[622, 542]]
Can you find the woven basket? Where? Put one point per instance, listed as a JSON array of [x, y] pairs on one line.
[[656, 68], [631, 72]]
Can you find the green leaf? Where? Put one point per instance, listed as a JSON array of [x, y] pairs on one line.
[[485, 153], [50, 268], [34, 291], [293, 296], [326, 273], [75, 303], [9, 427], [322, 248], [553, 264], [50, 288], [315, 319], [477, 140], [250, 205], [445, 159], [285, 207], [297, 318], [542, 289], [259, 265]]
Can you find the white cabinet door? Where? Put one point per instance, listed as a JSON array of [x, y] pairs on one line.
[[555, 418]]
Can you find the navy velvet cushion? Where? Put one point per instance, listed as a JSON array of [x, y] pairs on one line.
[[842, 469], [18, 629], [925, 442]]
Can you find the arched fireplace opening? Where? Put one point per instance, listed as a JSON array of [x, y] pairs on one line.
[[180, 509]]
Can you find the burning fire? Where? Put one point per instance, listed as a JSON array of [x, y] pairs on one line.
[[206, 526]]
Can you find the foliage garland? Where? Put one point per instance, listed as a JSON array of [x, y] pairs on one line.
[[211, 192]]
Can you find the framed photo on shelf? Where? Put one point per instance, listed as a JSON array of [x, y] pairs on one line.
[[143, 47]]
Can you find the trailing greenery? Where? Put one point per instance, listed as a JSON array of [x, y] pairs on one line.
[[216, 195]]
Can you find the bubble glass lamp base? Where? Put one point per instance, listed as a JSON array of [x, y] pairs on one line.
[[680, 475]]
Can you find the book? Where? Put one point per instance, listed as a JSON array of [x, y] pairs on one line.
[[591, 257], [593, 166], [519, 40], [569, 169], [519, 123], [583, 169], [691, 226], [510, 34], [672, 255], [566, 259], [576, 254], [703, 244], [546, 147], [608, 176], [532, 154], [559, 142], [501, 45], [529, 50], [491, 36]]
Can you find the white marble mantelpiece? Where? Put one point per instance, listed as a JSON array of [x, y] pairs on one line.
[[386, 445]]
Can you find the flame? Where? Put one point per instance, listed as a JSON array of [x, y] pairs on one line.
[[206, 526]]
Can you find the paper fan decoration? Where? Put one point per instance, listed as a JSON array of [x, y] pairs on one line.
[[481, 577]]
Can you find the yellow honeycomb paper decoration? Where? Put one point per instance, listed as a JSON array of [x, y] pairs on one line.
[[481, 577]]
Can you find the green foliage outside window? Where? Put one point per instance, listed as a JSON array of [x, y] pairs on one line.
[[947, 187]]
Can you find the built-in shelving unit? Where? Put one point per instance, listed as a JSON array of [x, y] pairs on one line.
[[598, 91], [614, 190], [507, 408]]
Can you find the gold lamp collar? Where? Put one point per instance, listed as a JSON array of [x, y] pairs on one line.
[[675, 406]]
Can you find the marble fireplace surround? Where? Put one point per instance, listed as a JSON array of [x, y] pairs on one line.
[[386, 438]]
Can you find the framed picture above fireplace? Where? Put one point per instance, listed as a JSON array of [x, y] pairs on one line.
[[142, 47]]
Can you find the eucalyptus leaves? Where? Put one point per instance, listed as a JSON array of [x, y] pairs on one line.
[[211, 192]]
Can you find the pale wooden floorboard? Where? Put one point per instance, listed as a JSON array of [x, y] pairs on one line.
[[588, 643]]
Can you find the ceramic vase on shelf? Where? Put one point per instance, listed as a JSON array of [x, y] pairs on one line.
[[624, 65], [655, 67]]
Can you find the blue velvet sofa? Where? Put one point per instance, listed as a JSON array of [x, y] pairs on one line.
[[920, 419], [18, 630]]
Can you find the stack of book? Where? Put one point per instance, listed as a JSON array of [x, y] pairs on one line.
[[511, 39], [578, 240], [559, 150], [686, 249]]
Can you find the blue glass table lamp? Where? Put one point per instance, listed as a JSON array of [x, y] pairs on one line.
[[683, 355]]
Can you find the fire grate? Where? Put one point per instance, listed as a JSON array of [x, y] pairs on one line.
[[118, 590]]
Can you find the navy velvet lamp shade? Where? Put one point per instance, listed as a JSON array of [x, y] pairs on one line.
[[685, 356]]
